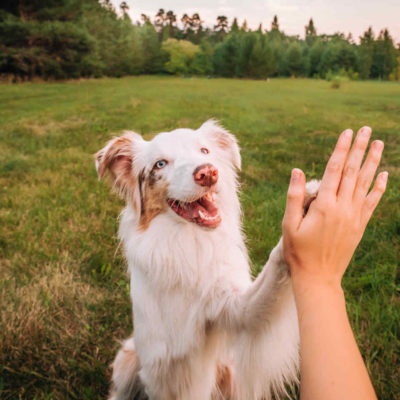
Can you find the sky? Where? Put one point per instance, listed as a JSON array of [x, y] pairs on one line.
[[329, 16]]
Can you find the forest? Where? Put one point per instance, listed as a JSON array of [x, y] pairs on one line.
[[63, 39]]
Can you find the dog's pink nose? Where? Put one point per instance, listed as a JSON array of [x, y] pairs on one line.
[[205, 175]]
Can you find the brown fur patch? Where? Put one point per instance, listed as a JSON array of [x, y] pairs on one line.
[[153, 198], [224, 383], [223, 140], [116, 158]]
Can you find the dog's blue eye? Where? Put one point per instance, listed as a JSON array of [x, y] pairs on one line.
[[161, 164], [204, 150]]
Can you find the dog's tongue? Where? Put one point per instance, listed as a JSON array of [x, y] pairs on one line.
[[204, 205]]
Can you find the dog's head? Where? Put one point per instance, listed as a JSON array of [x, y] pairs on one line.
[[187, 174]]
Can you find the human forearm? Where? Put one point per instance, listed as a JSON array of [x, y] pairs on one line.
[[318, 248], [331, 364]]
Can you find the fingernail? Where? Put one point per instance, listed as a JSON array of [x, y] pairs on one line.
[[295, 174], [378, 144], [384, 176], [366, 131], [348, 134]]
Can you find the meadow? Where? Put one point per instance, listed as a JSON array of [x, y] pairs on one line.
[[64, 291]]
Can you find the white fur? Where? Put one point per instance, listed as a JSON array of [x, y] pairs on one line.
[[194, 302]]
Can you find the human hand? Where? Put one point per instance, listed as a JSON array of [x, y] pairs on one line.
[[319, 247]]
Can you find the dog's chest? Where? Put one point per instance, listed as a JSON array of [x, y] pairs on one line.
[[178, 280], [173, 320], [167, 322]]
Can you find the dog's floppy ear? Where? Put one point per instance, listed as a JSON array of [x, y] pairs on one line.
[[117, 160], [225, 140]]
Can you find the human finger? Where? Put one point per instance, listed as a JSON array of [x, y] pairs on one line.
[[374, 197], [368, 170], [353, 163], [333, 171], [295, 199]]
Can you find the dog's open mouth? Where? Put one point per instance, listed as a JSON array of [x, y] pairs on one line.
[[202, 211]]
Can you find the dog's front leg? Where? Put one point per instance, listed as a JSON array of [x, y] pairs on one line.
[[262, 328], [267, 294], [253, 309]]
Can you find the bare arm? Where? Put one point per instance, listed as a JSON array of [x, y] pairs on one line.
[[318, 249]]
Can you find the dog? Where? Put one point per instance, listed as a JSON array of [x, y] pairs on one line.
[[203, 329]]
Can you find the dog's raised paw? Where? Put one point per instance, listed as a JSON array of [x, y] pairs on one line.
[[312, 188]]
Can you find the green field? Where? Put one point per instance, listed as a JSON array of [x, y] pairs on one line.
[[63, 288]]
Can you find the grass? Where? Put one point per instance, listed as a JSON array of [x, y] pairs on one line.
[[63, 289]]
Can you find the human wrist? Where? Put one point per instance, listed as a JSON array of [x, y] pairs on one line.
[[306, 284], [314, 296]]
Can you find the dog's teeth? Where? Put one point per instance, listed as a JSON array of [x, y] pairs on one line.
[[209, 196], [202, 216]]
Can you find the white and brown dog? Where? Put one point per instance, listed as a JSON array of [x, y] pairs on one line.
[[202, 328]]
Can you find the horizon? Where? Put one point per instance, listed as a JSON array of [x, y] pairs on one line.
[[292, 14]]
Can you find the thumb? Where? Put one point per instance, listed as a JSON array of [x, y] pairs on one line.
[[295, 199]]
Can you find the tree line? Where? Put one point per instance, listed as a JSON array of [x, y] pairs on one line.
[[61, 39]]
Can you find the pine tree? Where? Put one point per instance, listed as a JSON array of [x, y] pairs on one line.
[[197, 28], [366, 53], [235, 26], [186, 21], [384, 57], [275, 24], [311, 32], [145, 18], [124, 7], [159, 20], [187, 25], [221, 28], [170, 18], [275, 33], [222, 24]]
